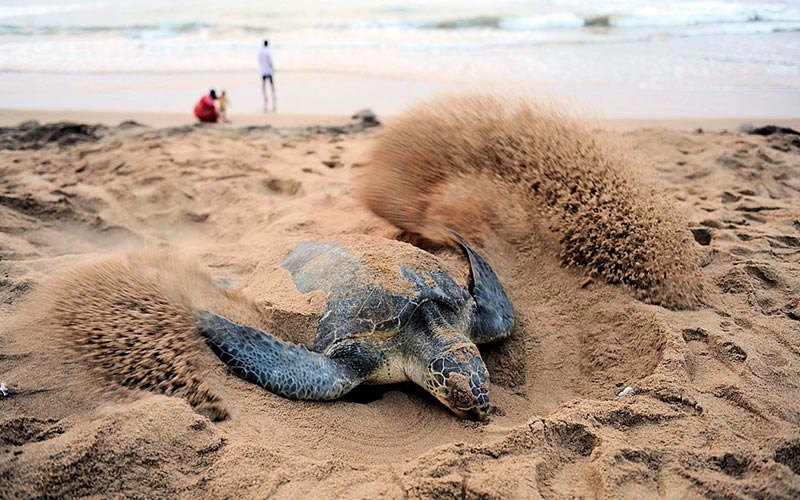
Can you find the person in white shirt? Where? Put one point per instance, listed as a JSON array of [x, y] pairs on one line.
[[267, 70]]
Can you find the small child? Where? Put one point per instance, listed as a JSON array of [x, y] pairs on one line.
[[223, 106]]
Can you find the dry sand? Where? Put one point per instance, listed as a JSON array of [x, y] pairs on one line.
[[714, 410]]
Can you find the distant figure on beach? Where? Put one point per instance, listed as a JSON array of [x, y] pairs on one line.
[[206, 109], [223, 106], [267, 70]]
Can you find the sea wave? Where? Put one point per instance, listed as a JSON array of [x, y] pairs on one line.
[[469, 22], [655, 19], [645, 18], [674, 16], [133, 30]]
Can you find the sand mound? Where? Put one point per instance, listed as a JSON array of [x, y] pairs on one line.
[[454, 163], [146, 449], [31, 135]]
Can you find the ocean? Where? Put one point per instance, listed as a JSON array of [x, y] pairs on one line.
[[679, 45]]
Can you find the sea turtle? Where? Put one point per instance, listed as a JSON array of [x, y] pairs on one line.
[[392, 314]]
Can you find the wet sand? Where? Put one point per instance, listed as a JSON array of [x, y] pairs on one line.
[[342, 93]]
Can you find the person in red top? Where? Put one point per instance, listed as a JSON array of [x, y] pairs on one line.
[[206, 110]]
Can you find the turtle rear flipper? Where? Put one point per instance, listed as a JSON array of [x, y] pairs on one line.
[[493, 316], [281, 367]]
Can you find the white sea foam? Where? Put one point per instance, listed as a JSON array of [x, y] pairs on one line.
[[684, 14], [550, 20]]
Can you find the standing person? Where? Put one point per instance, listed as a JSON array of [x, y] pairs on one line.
[[206, 110], [265, 61], [223, 106]]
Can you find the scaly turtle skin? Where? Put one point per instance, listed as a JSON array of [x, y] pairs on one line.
[[382, 323]]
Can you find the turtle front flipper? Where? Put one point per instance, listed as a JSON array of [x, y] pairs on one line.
[[283, 368], [493, 316]]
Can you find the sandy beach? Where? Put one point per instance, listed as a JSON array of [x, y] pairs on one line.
[[481, 250], [713, 410]]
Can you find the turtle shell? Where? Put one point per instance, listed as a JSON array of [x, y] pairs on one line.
[[373, 284]]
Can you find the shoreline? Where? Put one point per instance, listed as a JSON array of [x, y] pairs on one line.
[[325, 94], [11, 117]]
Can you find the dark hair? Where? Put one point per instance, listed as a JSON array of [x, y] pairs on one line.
[[266, 42], [213, 94]]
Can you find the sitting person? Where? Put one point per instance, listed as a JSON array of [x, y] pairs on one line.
[[206, 110]]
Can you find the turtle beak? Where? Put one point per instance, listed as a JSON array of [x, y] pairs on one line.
[[474, 413], [475, 393]]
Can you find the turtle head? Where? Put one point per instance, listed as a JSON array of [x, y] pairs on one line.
[[442, 359], [457, 377]]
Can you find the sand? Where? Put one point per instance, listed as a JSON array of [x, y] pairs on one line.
[[714, 408], [757, 95]]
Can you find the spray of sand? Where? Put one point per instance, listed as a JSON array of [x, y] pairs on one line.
[[131, 321], [475, 163]]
